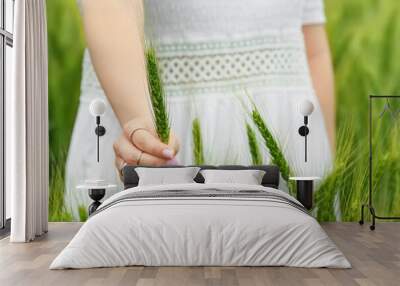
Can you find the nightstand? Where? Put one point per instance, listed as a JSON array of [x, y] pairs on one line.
[[305, 188], [96, 190]]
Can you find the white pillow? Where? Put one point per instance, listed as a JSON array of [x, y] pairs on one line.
[[165, 176], [248, 177]]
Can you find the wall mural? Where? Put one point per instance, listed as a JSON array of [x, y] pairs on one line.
[[236, 101]]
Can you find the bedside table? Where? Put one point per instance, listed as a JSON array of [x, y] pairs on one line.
[[96, 190], [305, 188]]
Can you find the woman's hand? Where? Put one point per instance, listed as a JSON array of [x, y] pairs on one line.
[[140, 145]]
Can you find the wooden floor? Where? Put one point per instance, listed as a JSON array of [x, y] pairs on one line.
[[375, 257]]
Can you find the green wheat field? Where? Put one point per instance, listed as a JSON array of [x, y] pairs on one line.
[[365, 41]]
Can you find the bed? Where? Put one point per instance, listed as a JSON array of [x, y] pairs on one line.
[[201, 224]]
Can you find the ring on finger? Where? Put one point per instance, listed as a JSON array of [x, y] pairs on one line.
[[134, 131], [139, 158]]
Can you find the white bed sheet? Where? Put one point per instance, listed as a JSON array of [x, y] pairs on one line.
[[200, 231]]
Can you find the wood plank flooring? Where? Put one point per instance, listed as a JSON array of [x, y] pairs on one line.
[[375, 257]]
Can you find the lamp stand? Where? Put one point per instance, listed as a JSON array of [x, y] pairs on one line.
[[100, 131], [304, 131]]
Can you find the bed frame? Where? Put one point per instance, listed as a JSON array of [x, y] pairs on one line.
[[270, 179]]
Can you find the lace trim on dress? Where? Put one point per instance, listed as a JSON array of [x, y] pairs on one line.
[[275, 61], [272, 61]]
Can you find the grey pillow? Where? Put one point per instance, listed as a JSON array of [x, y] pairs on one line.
[[162, 176], [248, 177]]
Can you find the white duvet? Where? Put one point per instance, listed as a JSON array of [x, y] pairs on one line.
[[200, 231]]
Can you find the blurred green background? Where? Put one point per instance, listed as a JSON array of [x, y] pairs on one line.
[[365, 42], [65, 45]]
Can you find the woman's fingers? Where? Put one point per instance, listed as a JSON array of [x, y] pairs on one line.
[[141, 135], [151, 144], [119, 164], [150, 160], [141, 146], [173, 143], [131, 155], [126, 151]]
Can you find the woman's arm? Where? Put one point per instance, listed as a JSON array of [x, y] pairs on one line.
[[114, 38], [114, 34], [319, 60]]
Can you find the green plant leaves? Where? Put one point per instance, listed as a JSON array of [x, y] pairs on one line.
[[277, 156], [256, 158], [198, 153], [157, 95]]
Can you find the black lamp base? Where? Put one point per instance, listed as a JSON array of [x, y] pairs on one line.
[[305, 193], [96, 195]]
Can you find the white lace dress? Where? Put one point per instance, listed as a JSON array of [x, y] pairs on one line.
[[216, 58]]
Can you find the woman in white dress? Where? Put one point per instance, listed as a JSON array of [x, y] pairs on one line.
[[216, 57]]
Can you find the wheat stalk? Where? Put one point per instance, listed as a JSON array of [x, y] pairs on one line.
[[157, 95], [277, 156], [198, 153], [253, 146]]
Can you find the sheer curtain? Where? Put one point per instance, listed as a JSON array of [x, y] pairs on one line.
[[27, 124]]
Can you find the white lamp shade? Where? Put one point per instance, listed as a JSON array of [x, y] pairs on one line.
[[306, 107], [97, 107]]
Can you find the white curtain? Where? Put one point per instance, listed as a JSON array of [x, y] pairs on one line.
[[27, 124]]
